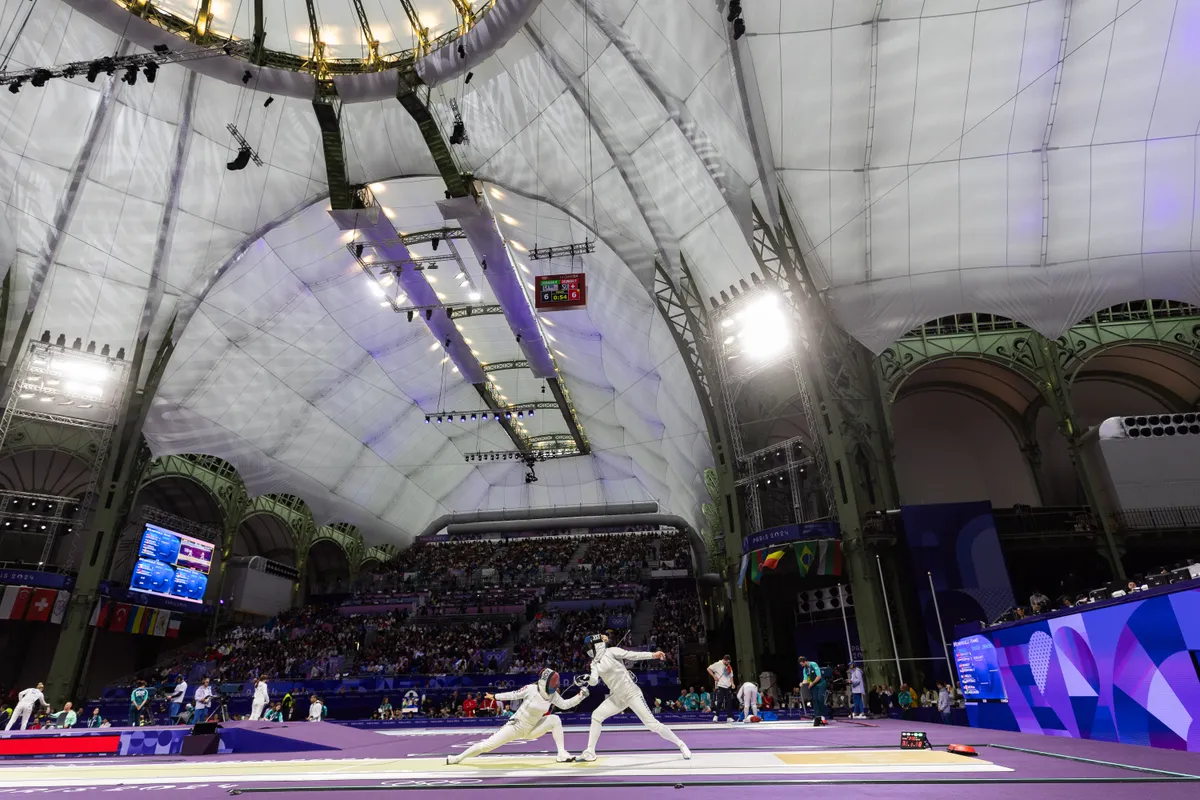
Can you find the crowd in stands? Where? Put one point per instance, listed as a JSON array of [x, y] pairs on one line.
[[596, 590], [676, 618], [399, 647], [557, 640], [1069, 598]]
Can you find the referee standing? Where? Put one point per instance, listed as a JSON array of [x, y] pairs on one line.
[[722, 675], [812, 677]]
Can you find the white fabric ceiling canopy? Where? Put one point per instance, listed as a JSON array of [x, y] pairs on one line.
[[1032, 159]]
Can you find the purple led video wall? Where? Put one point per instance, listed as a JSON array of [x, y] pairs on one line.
[[1122, 673]]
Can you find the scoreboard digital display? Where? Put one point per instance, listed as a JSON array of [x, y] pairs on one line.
[[172, 565], [561, 291]]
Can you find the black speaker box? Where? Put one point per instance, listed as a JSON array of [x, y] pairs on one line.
[[204, 728], [204, 744]]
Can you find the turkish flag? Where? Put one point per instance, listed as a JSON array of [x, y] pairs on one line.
[[118, 617], [41, 605], [21, 603]]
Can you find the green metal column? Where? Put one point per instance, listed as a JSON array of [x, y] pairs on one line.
[[234, 503], [121, 471], [851, 424], [1057, 392]]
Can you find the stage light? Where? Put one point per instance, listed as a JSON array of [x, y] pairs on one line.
[[764, 331], [467, 79], [508, 415], [520, 415], [463, 418], [436, 241], [439, 420], [93, 71], [531, 412], [426, 419], [739, 28], [462, 51], [483, 264], [40, 76], [410, 315], [735, 10], [150, 71], [14, 87], [474, 418], [131, 74], [240, 160]]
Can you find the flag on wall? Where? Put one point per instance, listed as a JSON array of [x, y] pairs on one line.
[[756, 566], [742, 571], [118, 616], [15, 601], [160, 623], [806, 554], [100, 613], [772, 560], [60, 606], [830, 560], [173, 628], [40, 605]]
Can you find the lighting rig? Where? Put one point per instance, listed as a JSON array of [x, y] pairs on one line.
[[563, 250], [459, 134], [735, 16], [130, 66], [529, 458], [480, 416], [245, 154]]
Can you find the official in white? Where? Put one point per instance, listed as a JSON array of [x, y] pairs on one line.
[[27, 701], [261, 701], [531, 720], [608, 665], [316, 709], [178, 698], [747, 695]]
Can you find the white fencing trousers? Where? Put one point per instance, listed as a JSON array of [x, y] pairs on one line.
[[256, 709], [548, 724], [20, 711], [615, 704], [749, 707]]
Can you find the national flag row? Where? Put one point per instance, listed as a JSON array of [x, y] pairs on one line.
[[33, 603], [131, 618], [819, 557]]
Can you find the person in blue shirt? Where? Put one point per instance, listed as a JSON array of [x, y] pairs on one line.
[[812, 677], [138, 700]]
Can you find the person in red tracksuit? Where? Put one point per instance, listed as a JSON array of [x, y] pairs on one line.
[[469, 705]]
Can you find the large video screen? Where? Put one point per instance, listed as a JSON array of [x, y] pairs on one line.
[[172, 565], [978, 669], [1128, 672]]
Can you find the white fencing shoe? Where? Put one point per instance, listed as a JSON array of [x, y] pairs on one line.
[[565, 758], [586, 755], [452, 760], [687, 754]]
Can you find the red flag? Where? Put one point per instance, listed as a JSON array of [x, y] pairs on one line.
[[20, 603], [118, 617], [100, 613], [173, 628], [41, 605]]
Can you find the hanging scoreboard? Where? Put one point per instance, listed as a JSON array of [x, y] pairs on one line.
[[561, 291]]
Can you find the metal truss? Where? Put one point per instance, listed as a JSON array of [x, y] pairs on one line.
[[500, 366], [563, 250], [519, 411], [95, 420], [417, 237]]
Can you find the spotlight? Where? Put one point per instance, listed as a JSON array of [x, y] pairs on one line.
[[131, 73], [40, 76], [508, 415], [91, 346], [426, 419], [77, 344], [735, 10], [150, 71], [410, 315], [45, 337], [161, 48], [93, 71], [449, 313], [462, 51], [474, 418], [246, 76], [14, 87], [520, 415], [429, 313], [268, 102], [518, 338], [61, 341], [531, 412], [467, 79], [358, 251], [240, 160], [463, 418], [483, 264], [739, 28], [439, 420], [104, 351], [459, 134], [436, 241], [120, 354]]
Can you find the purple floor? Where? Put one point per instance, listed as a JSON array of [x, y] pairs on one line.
[[1034, 776]]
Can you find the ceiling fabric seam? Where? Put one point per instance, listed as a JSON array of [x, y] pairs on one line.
[[664, 239], [1044, 152]]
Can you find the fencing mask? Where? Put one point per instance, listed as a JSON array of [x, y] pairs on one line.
[[548, 683], [596, 644]]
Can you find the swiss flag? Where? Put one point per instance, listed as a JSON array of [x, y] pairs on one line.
[[20, 603], [118, 617], [41, 605]]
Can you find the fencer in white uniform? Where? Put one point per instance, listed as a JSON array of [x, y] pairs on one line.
[[531, 720], [747, 695], [623, 692], [27, 701], [262, 700]]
